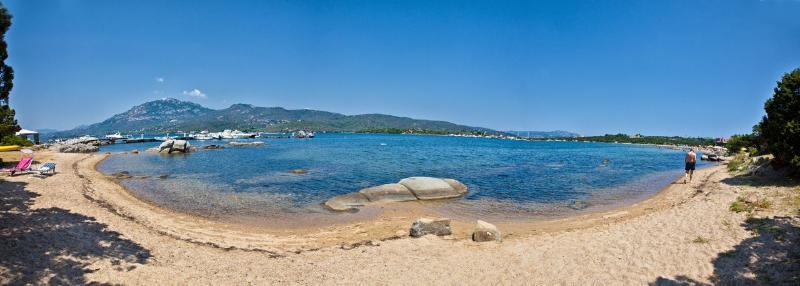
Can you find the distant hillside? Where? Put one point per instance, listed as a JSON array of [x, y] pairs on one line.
[[171, 115], [544, 134]]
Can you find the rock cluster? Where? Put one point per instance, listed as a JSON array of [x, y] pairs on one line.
[[74, 146], [408, 189], [174, 146]]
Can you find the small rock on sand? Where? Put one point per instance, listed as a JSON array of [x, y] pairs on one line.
[[485, 231], [425, 226]]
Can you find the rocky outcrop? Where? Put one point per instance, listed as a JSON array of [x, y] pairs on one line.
[[174, 146], [388, 193], [74, 148], [409, 189], [347, 202], [246, 144], [427, 188], [485, 231], [425, 226]]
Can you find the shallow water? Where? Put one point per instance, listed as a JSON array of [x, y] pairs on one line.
[[505, 178]]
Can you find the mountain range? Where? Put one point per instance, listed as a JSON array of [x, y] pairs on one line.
[[172, 115]]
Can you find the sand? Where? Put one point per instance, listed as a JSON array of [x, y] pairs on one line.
[[79, 227]]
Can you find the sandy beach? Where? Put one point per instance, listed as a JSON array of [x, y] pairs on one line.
[[80, 227]]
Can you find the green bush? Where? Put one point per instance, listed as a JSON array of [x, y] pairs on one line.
[[15, 140], [739, 141], [739, 162], [780, 128]]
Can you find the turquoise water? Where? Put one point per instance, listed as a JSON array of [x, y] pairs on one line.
[[515, 177]]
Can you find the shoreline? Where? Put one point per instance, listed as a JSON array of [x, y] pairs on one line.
[[79, 227], [378, 221]]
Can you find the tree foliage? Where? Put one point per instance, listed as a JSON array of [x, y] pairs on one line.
[[780, 128], [8, 125], [739, 141]]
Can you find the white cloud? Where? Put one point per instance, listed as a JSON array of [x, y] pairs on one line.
[[194, 93], [160, 79]]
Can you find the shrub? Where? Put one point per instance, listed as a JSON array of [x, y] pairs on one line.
[[15, 140], [740, 206], [739, 162], [780, 128], [747, 141]]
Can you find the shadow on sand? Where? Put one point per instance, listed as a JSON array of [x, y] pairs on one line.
[[771, 257], [54, 245]]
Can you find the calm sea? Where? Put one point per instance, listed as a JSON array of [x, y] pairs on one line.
[[505, 177]]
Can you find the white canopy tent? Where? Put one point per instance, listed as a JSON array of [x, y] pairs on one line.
[[24, 133]]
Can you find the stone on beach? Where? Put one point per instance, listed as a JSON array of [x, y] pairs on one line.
[[346, 202], [485, 231], [425, 226], [428, 188], [388, 193]]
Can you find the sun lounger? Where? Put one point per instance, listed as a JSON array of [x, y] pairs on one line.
[[45, 169], [23, 165]]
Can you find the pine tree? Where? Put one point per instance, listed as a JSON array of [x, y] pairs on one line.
[[8, 125]]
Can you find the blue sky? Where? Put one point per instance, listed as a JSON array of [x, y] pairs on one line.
[[699, 68]]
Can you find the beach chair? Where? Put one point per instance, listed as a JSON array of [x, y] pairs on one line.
[[46, 169], [23, 165]]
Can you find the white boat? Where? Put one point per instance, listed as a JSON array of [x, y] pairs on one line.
[[116, 136], [205, 136], [304, 134], [235, 134], [164, 138]]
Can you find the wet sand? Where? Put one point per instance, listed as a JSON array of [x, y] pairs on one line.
[[96, 231]]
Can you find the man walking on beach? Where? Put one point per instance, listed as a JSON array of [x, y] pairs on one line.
[[691, 161]]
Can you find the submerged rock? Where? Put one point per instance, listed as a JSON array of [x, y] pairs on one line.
[[428, 188], [388, 193], [298, 171], [485, 231], [578, 205], [213, 147], [347, 202], [425, 226]]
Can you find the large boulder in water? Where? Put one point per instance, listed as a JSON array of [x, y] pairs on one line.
[[347, 202], [388, 193], [408, 189], [174, 146], [428, 188]]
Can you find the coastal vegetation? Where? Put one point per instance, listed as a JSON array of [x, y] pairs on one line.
[[778, 133], [8, 124], [780, 128], [639, 139]]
